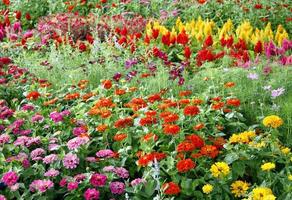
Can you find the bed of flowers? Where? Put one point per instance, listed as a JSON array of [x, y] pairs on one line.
[[121, 99]]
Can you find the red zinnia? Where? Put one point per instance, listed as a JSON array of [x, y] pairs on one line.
[[171, 188], [210, 151], [185, 146], [185, 165], [107, 84], [191, 110], [33, 95], [171, 129], [233, 102]]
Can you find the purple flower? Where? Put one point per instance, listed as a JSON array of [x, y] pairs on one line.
[[91, 194], [98, 180], [117, 187], [105, 153], [253, 76], [131, 62], [41, 185], [277, 92], [52, 173], [27, 107], [70, 161], [117, 76], [121, 172]]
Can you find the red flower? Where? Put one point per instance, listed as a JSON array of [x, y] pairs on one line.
[[5, 61], [171, 188], [166, 39], [33, 95], [258, 48], [155, 33], [258, 6], [153, 98], [122, 123], [182, 38], [120, 137], [148, 121], [208, 41], [27, 17], [199, 126], [82, 47], [171, 129], [217, 106], [196, 140], [185, 146], [233, 102], [18, 15], [185, 165], [210, 151], [170, 118], [191, 110], [201, 1], [187, 52], [150, 136], [107, 84], [6, 2]]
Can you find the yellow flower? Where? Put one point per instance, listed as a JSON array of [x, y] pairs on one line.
[[290, 177], [207, 189], [262, 193], [244, 137], [239, 188], [268, 166], [285, 150], [272, 121], [220, 169]]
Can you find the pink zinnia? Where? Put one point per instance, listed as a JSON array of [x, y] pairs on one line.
[[117, 187], [98, 180], [10, 178], [37, 154], [41, 185], [52, 173], [70, 161], [50, 158], [77, 142], [91, 194]]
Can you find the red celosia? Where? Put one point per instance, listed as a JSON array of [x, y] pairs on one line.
[[191, 110], [166, 39], [208, 41], [155, 33], [171, 188], [258, 48], [182, 38], [185, 165], [187, 52]]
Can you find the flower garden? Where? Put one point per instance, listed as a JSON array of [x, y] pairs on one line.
[[140, 99]]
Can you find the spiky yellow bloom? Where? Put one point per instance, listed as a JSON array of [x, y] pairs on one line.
[[220, 169], [273, 121], [207, 189], [262, 193], [239, 188], [268, 166], [244, 137]]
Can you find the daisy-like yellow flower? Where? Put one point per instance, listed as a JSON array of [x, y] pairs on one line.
[[244, 137], [268, 166], [207, 189], [285, 150], [220, 169], [273, 121], [239, 188], [261, 193]]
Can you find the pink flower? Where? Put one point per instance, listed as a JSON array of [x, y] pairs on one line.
[[63, 182], [41, 185], [98, 180], [72, 186], [91, 194], [50, 158], [4, 139], [52, 173], [37, 154], [77, 142], [2, 197], [70, 161], [10, 178], [117, 187]]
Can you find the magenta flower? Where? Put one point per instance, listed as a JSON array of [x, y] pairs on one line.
[[50, 158], [98, 180], [137, 181], [56, 117], [63, 182], [72, 186], [10, 178], [91, 194], [4, 138], [70, 161], [117, 187], [37, 154], [121, 172], [77, 142], [2, 197], [105, 153]]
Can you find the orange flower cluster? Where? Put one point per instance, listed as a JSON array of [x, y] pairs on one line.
[[146, 159], [185, 165]]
